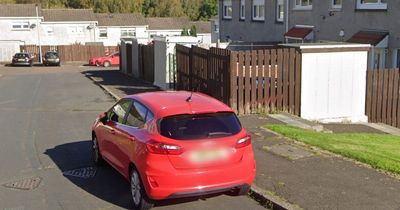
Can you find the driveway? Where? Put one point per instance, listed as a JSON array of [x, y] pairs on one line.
[[45, 119]]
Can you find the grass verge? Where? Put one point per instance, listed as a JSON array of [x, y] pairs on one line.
[[381, 151]]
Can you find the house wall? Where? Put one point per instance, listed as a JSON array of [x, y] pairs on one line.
[[326, 20], [67, 33], [249, 30], [114, 34], [28, 36]]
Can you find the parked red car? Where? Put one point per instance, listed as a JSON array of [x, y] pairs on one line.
[[106, 61], [174, 144]]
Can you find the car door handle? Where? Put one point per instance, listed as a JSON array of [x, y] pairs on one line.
[[112, 131]]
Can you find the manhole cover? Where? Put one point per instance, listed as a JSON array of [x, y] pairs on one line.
[[24, 184], [84, 173]]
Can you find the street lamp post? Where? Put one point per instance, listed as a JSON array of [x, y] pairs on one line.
[[38, 33]]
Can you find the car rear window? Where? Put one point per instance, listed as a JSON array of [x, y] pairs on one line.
[[51, 55], [21, 55], [200, 126]]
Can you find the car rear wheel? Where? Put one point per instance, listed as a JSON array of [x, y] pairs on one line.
[[97, 158], [106, 64], [139, 196]]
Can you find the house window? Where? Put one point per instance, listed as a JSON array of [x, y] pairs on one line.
[[303, 4], [128, 33], [103, 33], [258, 10], [280, 11], [336, 4], [227, 9], [49, 31], [76, 29], [242, 9], [216, 28], [372, 4], [20, 25]]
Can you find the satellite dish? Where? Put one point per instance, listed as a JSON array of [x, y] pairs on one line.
[[33, 26], [90, 27]]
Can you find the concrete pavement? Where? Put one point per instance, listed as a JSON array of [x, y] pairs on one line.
[[45, 120]]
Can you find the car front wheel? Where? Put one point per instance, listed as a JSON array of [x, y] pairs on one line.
[[97, 158], [106, 64], [139, 196]]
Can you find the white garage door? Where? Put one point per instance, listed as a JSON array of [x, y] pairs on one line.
[[8, 49]]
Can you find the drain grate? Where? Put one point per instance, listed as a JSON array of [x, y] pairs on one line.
[[85, 173], [24, 184]]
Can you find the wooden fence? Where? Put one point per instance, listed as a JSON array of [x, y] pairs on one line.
[[266, 81], [203, 70], [249, 81], [146, 62], [383, 96], [71, 53]]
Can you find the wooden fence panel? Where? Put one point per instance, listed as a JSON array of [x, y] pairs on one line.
[[249, 81], [71, 53], [382, 97]]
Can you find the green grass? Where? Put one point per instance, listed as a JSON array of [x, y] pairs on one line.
[[378, 150]]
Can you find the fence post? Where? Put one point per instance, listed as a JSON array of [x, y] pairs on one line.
[[232, 81], [191, 69]]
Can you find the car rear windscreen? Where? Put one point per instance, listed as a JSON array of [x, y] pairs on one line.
[[201, 126], [21, 55]]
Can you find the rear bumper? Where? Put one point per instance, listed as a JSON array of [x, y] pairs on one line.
[[21, 63], [208, 191], [162, 181]]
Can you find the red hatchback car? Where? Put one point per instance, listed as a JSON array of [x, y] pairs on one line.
[[106, 61], [174, 144]]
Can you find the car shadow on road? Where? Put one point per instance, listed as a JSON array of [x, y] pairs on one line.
[[107, 184], [125, 84]]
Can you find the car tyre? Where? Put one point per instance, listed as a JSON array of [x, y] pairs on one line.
[[139, 197], [243, 191], [106, 64], [97, 158]]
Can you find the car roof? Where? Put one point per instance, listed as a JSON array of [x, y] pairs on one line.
[[168, 103]]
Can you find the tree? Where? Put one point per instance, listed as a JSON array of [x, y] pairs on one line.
[[208, 9], [185, 32], [193, 31]]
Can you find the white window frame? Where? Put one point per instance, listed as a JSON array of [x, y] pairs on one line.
[[128, 33], [103, 31], [258, 10], [336, 5], [278, 13], [20, 26], [242, 9], [227, 9], [298, 5], [379, 5]]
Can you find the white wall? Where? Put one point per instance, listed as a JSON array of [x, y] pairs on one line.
[[65, 33], [8, 49], [114, 34], [29, 36], [333, 86]]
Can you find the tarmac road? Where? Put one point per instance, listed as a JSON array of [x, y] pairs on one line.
[[45, 119]]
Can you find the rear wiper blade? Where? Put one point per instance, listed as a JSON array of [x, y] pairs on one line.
[[219, 134]]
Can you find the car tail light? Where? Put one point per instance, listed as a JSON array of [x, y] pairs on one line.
[[243, 142], [165, 149]]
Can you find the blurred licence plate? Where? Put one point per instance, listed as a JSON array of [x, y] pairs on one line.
[[21, 59], [51, 59], [208, 155]]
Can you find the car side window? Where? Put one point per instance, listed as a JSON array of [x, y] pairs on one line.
[[137, 115], [118, 112]]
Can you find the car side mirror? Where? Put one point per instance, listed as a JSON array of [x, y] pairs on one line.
[[103, 117]]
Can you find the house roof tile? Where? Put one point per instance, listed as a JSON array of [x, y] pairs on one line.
[[298, 32], [368, 37], [66, 15], [18, 10]]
